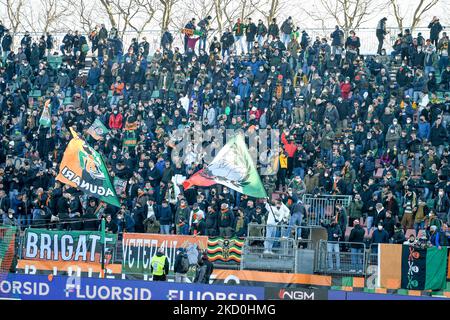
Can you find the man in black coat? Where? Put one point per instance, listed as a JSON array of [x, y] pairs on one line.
[[435, 28], [389, 224], [227, 41], [110, 225], [334, 234], [438, 135], [381, 32], [286, 29], [250, 33], [357, 248], [139, 214], [380, 214], [204, 25], [379, 236], [261, 31], [90, 220], [6, 44], [274, 30], [62, 209], [166, 40], [212, 222], [4, 203]]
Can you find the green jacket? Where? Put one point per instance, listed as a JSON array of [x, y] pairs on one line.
[[239, 29], [327, 139], [355, 209]]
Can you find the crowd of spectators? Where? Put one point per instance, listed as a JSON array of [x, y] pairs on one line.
[[348, 128]]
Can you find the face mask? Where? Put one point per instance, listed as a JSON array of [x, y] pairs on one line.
[[380, 228], [408, 121], [10, 216], [441, 194]]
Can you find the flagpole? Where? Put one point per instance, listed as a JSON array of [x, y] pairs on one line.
[[103, 249]]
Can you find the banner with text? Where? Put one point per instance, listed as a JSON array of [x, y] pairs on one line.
[[139, 248], [79, 246], [39, 287]]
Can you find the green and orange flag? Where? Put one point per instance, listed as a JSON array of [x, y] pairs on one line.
[[98, 130], [82, 167], [232, 167]]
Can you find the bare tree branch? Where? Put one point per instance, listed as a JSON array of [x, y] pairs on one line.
[[419, 12], [108, 8], [52, 13], [14, 11], [347, 14]]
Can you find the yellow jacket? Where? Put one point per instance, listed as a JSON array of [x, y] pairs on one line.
[[281, 161]]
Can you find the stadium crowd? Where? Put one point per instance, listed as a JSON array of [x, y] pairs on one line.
[[348, 128]]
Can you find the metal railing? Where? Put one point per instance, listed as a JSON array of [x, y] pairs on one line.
[[322, 207], [259, 230], [369, 41], [341, 258], [269, 254], [302, 235]]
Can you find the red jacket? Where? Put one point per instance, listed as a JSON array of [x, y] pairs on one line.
[[115, 121], [257, 113], [289, 147], [346, 88]]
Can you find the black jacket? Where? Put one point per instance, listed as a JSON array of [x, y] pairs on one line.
[[378, 217], [380, 236], [438, 135], [90, 221], [227, 40], [332, 230], [389, 226], [250, 32], [435, 28], [274, 30], [212, 220], [357, 235], [177, 265]]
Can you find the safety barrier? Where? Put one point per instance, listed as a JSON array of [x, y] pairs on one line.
[[269, 254], [341, 258], [259, 230], [300, 234], [322, 207], [369, 41]]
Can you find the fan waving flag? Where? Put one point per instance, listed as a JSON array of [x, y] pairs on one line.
[[97, 130], [45, 119], [82, 167], [232, 167]]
